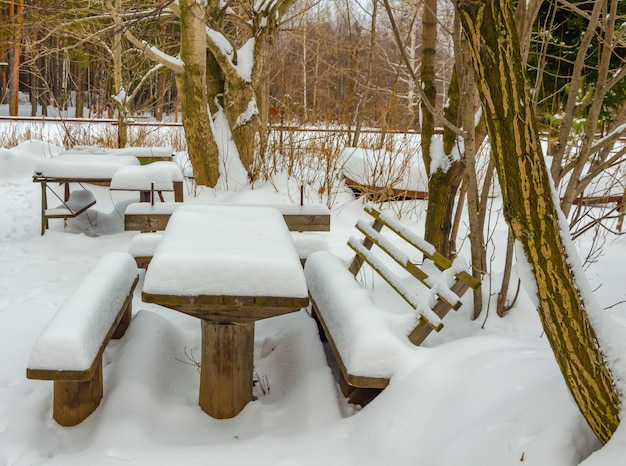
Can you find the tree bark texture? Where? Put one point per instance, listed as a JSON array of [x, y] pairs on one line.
[[191, 84], [437, 198], [530, 209], [443, 185]]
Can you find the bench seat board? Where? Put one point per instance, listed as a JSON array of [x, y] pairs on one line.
[[79, 201], [69, 345], [143, 216], [369, 343]]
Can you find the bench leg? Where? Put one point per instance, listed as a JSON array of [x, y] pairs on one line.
[[127, 315], [226, 368], [44, 206], [74, 401], [356, 395]]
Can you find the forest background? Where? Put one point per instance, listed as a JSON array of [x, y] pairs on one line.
[[245, 69]]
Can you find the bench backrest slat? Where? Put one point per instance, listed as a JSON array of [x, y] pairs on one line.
[[403, 260], [445, 281], [441, 261], [423, 311]]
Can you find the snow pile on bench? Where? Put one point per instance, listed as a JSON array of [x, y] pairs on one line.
[[383, 169], [83, 166], [161, 175], [144, 244], [73, 337], [79, 201], [146, 208], [372, 342], [308, 243], [166, 151]]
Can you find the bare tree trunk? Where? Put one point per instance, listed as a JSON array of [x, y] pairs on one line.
[[437, 206], [531, 212], [365, 93], [80, 90], [16, 11], [192, 90], [467, 104], [502, 306], [120, 97]]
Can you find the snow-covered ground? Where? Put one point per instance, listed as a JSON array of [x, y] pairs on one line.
[[481, 393]]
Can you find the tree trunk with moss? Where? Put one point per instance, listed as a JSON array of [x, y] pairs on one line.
[[443, 185], [530, 209], [445, 170]]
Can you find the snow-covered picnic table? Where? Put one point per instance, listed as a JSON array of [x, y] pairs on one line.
[[119, 172], [228, 266], [75, 168], [92, 168], [143, 154]]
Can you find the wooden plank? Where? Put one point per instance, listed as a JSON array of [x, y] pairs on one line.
[[358, 261], [403, 261], [158, 222], [68, 213], [351, 379], [441, 308], [440, 260], [87, 374], [609, 199], [384, 194], [230, 308], [44, 206], [307, 222], [143, 261], [426, 314], [145, 222]]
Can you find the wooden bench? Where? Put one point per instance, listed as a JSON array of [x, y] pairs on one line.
[[151, 179], [69, 349], [142, 216], [367, 341], [78, 202]]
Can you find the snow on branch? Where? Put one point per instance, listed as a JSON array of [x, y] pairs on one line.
[[234, 63], [173, 63], [610, 138]]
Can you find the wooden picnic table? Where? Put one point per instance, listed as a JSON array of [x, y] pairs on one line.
[[75, 169], [119, 172], [229, 266]]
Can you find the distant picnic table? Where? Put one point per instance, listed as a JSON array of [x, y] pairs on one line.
[[119, 171]]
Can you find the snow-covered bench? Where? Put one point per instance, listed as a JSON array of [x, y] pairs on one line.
[[369, 342], [79, 201], [156, 177], [69, 349]]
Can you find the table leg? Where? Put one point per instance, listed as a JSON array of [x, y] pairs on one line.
[[226, 368], [44, 206]]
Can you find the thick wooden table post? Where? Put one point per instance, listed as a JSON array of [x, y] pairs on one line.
[[226, 367], [44, 206]]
